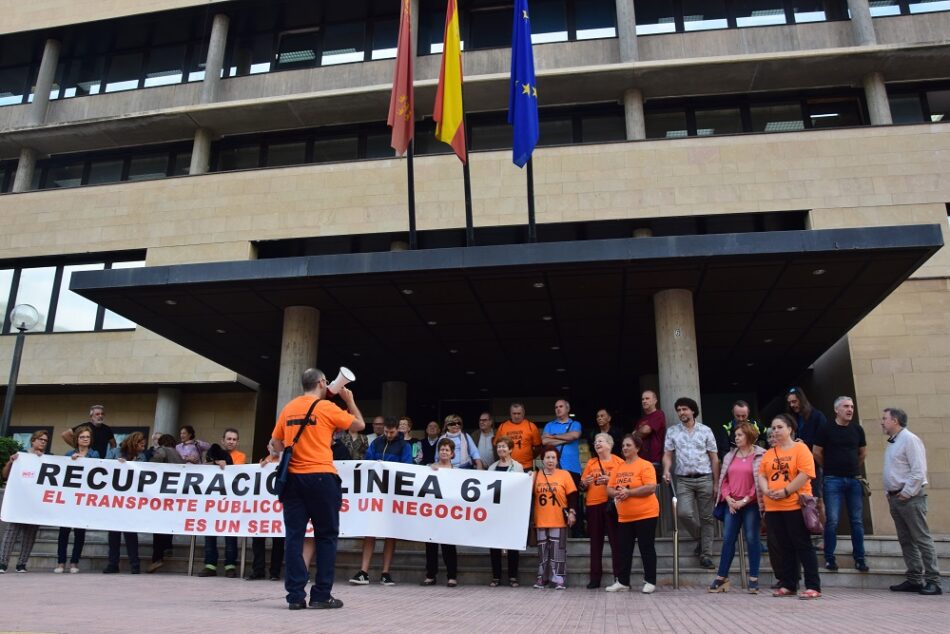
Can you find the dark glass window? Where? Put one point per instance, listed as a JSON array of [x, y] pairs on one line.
[[83, 77], [124, 71], [884, 7], [906, 108], [549, 22], [64, 175], [718, 121], [779, 117], [666, 125], [600, 128], [13, 84], [553, 131], [182, 164], [655, 16], [334, 150], [488, 27], [926, 6], [809, 11], [165, 66], [834, 112], [700, 15], [595, 19], [149, 167], [105, 171], [759, 12], [385, 38], [290, 153], [378, 145], [75, 313], [298, 49], [938, 102], [343, 43], [490, 136], [253, 54], [239, 158]]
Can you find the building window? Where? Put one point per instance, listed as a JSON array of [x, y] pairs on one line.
[[133, 164], [883, 8], [20, 56], [669, 16], [917, 103], [46, 287]]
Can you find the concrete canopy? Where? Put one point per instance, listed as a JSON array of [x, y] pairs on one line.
[[532, 318]]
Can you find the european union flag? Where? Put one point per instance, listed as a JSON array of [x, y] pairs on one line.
[[523, 99]]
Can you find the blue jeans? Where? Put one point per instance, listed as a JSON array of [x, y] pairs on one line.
[[838, 488], [747, 520], [230, 551], [315, 497]]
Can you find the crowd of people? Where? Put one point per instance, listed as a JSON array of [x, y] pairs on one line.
[[745, 474]]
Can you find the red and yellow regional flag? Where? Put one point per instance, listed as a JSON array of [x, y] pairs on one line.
[[401, 104], [449, 126]]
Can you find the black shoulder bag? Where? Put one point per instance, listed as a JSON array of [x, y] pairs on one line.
[[611, 502], [283, 467]]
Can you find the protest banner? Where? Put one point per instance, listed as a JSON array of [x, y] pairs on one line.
[[381, 499]]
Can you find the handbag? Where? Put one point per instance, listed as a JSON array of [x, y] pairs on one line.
[[564, 510], [611, 503], [283, 467], [865, 486], [811, 514], [720, 511]]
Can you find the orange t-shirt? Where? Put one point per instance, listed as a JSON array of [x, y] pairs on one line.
[[780, 466], [597, 493], [238, 457], [525, 436], [312, 453], [630, 476], [549, 500]]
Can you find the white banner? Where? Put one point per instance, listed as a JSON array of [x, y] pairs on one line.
[[382, 499]]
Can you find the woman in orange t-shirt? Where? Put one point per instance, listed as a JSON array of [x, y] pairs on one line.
[[594, 480], [633, 488], [786, 471], [554, 491]]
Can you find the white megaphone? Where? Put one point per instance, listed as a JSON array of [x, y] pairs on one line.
[[345, 376]]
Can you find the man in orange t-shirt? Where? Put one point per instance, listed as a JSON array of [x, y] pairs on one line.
[[226, 453], [312, 492], [525, 436]]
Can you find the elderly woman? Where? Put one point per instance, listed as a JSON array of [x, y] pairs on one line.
[[83, 435], [446, 450], [555, 504], [163, 452], [594, 480], [505, 462], [786, 472], [190, 449], [466, 453], [737, 488], [632, 486], [26, 532]]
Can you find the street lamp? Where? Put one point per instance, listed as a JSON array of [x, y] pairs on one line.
[[23, 317]]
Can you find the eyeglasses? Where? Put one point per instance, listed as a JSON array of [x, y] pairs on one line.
[[454, 424]]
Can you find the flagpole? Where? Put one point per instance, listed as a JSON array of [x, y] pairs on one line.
[[411, 176], [467, 183], [532, 227]]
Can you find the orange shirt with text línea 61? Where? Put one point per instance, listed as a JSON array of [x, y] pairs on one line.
[[780, 466], [630, 476], [525, 436], [597, 493], [312, 453], [550, 497]]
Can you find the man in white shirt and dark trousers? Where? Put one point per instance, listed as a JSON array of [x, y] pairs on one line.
[[905, 476]]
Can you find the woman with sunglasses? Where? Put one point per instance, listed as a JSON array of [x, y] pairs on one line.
[[83, 449], [466, 453], [26, 532]]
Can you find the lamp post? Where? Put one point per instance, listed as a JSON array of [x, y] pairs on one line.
[[23, 317]]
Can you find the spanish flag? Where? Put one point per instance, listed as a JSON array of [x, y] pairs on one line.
[[449, 126]]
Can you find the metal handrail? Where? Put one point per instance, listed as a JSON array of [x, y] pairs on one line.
[[191, 555], [676, 541], [743, 577]]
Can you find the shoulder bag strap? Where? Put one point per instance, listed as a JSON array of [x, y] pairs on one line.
[[305, 421]]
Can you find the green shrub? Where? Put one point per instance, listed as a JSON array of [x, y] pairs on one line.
[[8, 446]]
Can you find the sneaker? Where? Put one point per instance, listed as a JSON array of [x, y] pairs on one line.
[[648, 588], [930, 589], [274, 577], [110, 570], [616, 586], [907, 586], [360, 579], [136, 570], [208, 572], [861, 566], [155, 565], [254, 576], [330, 604], [386, 579], [3, 569], [706, 562], [230, 573], [831, 566], [60, 569], [539, 584], [73, 570], [593, 585], [560, 586], [21, 568], [299, 605]]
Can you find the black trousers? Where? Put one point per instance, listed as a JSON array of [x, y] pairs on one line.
[[643, 533], [790, 545], [259, 552], [449, 557], [160, 543], [514, 558]]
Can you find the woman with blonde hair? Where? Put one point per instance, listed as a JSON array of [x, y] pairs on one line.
[[600, 521], [39, 441]]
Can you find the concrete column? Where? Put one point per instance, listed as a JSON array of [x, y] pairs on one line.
[[215, 60], [201, 153], [861, 24], [24, 171], [167, 407], [879, 108], [627, 31], [676, 353], [394, 398], [298, 350], [633, 113], [44, 82]]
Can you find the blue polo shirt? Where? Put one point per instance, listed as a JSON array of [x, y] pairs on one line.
[[570, 453]]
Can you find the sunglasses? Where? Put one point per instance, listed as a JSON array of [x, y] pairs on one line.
[[454, 424]]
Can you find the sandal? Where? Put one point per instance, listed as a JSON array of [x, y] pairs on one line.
[[783, 592], [513, 582], [809, 594], [494, 583], [427, 582]]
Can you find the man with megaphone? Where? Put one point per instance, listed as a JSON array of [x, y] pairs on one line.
[[312, 490]]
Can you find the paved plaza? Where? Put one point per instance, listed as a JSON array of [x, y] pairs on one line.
[[43, 602]]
